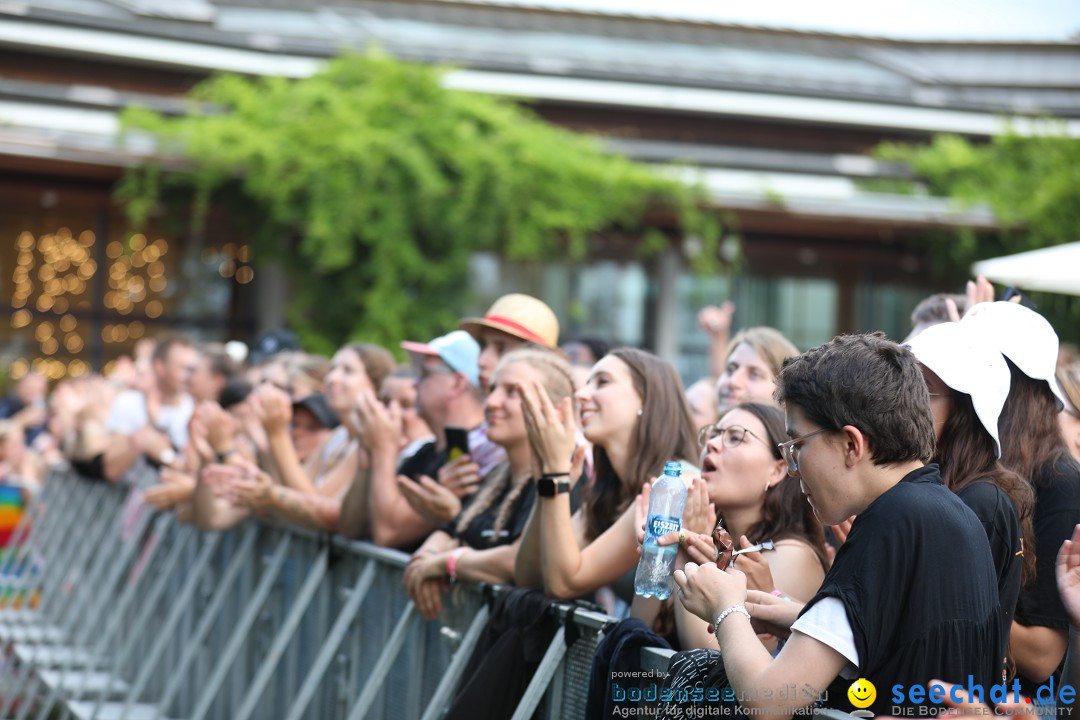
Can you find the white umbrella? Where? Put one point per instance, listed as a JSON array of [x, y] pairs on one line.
[[1053, 269]]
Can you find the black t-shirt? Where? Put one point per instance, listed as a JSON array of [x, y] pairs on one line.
[[917, 582], [425, 461], [997, 513], [480, 532], [1057, 512]]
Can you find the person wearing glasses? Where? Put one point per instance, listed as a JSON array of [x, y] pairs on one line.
[[912, 594], [757, 501]]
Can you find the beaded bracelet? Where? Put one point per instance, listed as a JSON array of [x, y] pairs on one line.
[[720, 618]]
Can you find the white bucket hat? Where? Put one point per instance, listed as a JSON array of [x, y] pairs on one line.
[[967, 363], [1022, 335]]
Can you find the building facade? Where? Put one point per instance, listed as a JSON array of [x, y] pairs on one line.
[[776, 124]]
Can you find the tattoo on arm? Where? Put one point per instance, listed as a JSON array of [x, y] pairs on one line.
[[308, 510]]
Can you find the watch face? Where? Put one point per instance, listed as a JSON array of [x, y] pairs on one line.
[[545, 487]]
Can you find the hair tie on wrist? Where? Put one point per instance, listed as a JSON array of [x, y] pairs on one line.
[[452, 561]]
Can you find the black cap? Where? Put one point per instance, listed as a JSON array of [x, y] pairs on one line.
[[316, 405], [272, 342]]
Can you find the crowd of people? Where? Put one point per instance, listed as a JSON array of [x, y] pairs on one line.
[[896, 508]]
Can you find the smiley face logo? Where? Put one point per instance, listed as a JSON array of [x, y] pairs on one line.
[[862, 693]]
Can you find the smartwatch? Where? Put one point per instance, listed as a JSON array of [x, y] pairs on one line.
[[550, 487]]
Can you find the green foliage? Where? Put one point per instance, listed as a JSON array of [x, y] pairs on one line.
[[377, 183], [1032, 183]]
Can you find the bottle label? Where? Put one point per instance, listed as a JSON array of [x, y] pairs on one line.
[[662, 525]]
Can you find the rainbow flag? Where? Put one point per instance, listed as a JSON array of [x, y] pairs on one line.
[[11, 507]]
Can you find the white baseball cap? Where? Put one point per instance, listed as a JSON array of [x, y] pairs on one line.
[[967, 363], [1022, 335]]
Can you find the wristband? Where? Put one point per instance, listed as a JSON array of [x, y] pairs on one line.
[[452, 561], [720, 618], [224, 455]]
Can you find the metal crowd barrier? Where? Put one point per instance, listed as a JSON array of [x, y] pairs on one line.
[[114, 611]]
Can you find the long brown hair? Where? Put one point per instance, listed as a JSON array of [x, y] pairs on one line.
[[558, 382], [967, 455], [1031, 441], [377, 361], [664, 431], [785, 513]]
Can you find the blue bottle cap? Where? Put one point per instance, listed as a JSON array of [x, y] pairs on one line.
[[673, 468]]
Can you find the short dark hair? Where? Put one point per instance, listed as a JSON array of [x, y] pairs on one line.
[[869, 382], [221, 363], [933, 310], [165, 345]]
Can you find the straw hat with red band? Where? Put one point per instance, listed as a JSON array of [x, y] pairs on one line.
[[522, 316]]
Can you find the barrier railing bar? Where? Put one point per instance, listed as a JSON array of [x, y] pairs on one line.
[[217, 601], [180, 605], [236, 640], [446, 687], [66, 550], [383, 664], [78, 688], [542, 678], [333, 641], [284, 635]]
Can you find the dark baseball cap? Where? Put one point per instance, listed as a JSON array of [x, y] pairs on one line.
[[316, 405]]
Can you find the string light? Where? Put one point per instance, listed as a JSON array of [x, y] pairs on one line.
[[20, 367]]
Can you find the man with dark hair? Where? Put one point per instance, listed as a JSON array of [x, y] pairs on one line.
[[935, 310], [153, 423], [213, 371], [912, 595]]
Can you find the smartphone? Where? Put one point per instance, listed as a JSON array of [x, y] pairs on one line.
[[1011, 292], [457, 440]]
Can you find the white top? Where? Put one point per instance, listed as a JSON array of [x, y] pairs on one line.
[[827, 622], [128, 414]]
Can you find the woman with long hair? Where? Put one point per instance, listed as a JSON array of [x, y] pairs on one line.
[[1069, 417], [968, 383], [481, 543], [1033, 447], [634, 413], [757, 501]]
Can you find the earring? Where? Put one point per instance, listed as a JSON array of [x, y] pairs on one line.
[[640, 411], [766, 487]]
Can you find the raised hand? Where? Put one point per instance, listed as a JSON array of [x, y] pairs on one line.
[[274, 408], [552, 431], [1068, 575], [756, 569], [429, 499], [380, 426], [716, 320], [460, 476]]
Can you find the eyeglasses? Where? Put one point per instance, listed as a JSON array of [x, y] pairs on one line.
[[790, 451], [425, 371], [731, 437]]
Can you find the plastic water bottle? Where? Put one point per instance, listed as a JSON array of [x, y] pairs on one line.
[[657, 564]]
